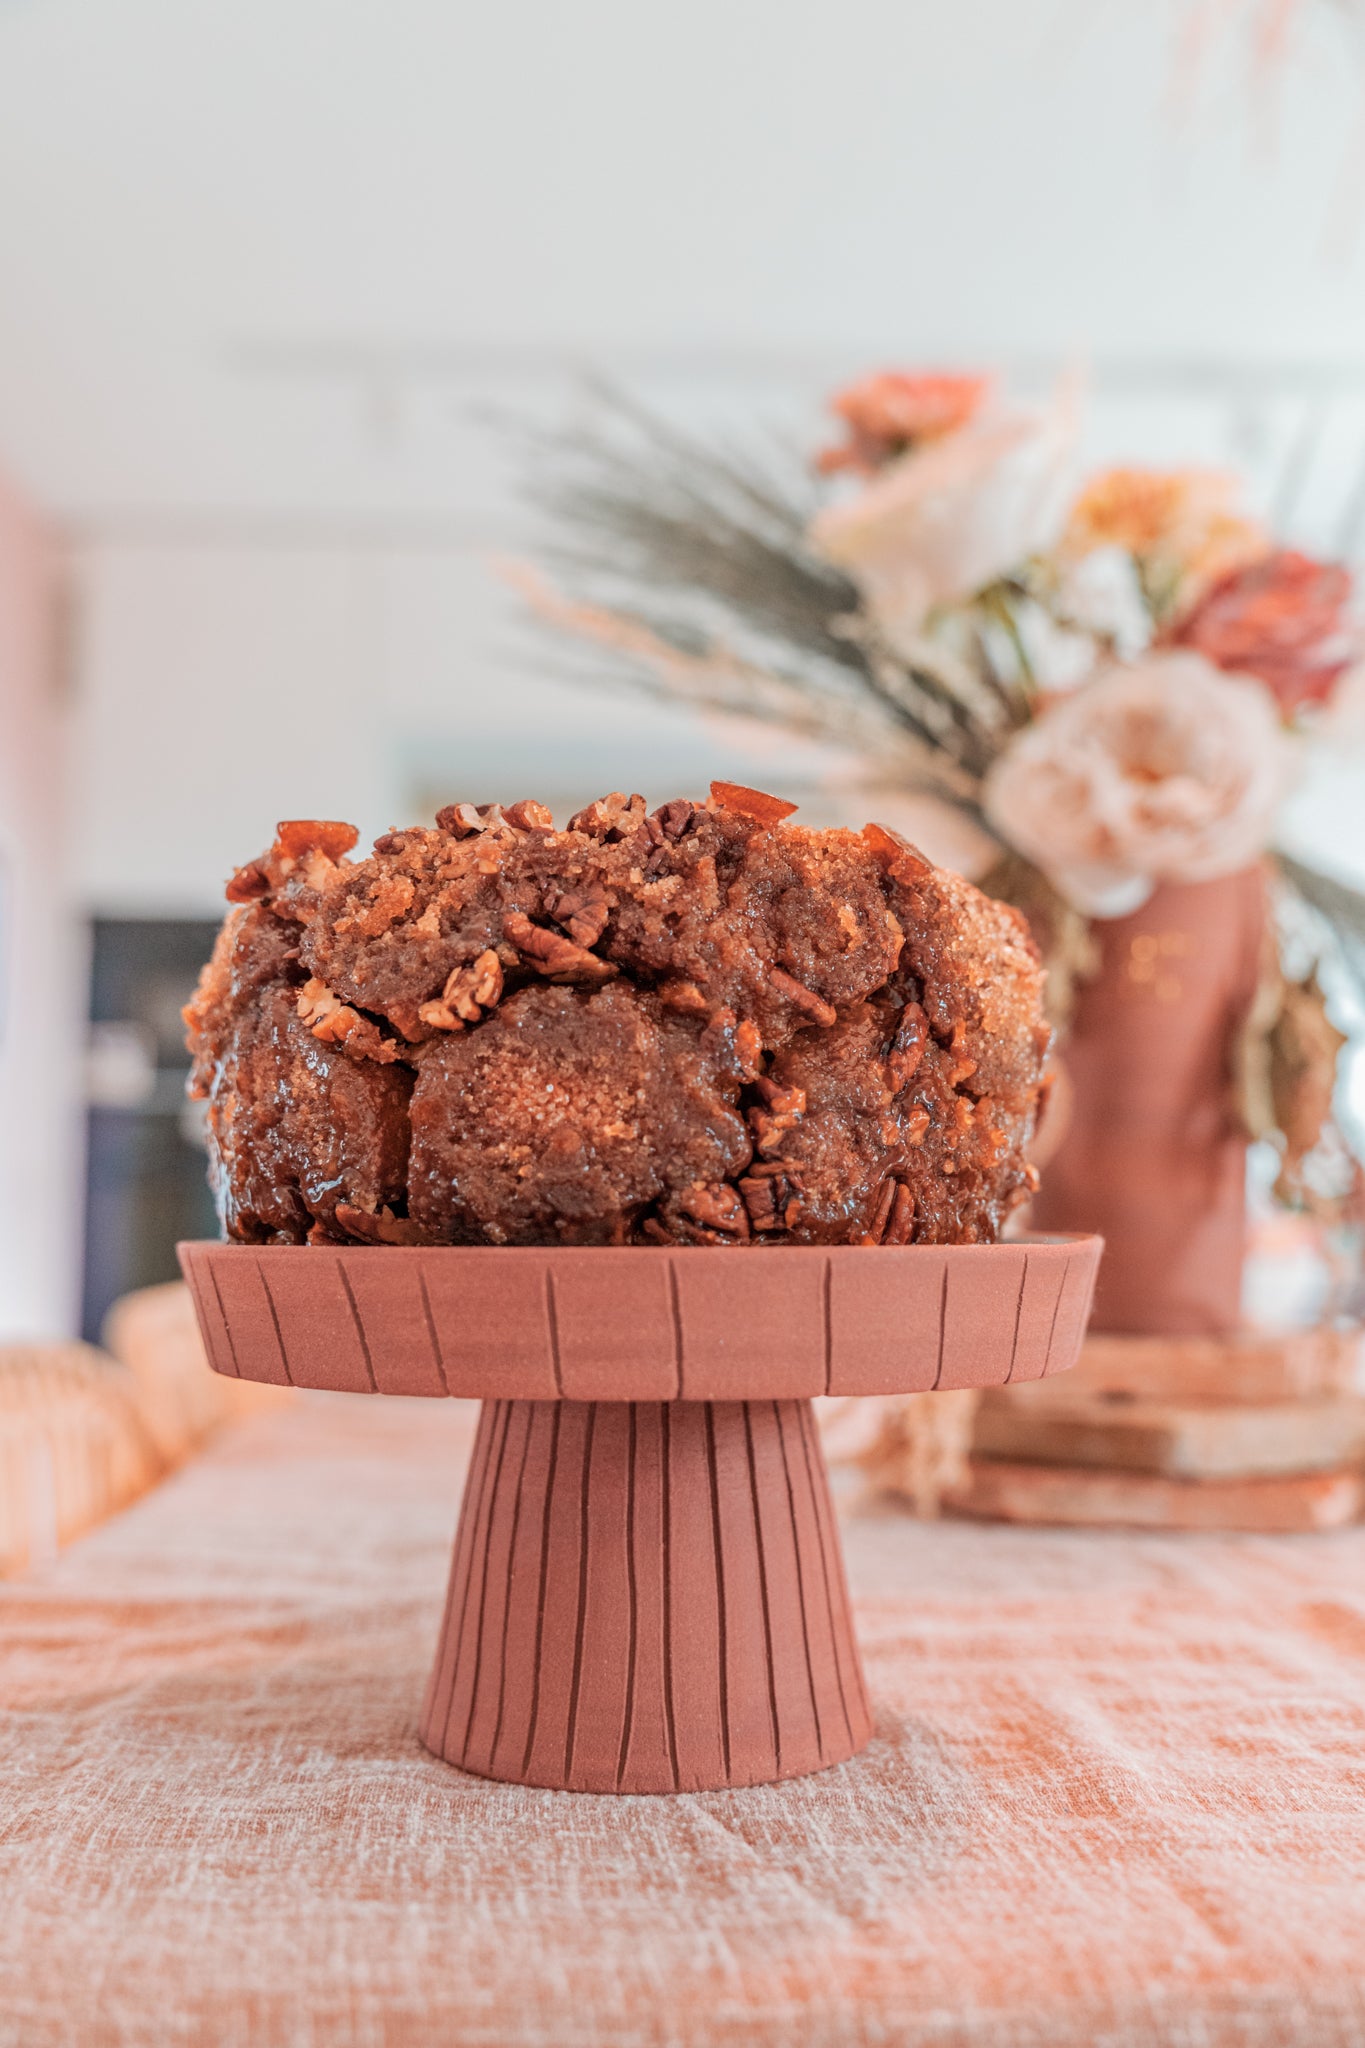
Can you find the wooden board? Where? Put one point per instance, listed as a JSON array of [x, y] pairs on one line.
[[1251, 1366], [1180, 1440], [1061, 1495]]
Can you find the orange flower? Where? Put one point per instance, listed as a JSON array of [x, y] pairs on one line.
[[1182, 525], [894, 410], [1282, 619]]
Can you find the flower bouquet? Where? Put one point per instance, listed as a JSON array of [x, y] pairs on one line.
[[1115, 678]]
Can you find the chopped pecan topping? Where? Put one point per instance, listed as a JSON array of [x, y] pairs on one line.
[[907, 1047], [461, 821], [748, 1047], [784, 1107], [886, 1195], [612, 817], [308, 847], [336, 1023], [802, 998], [382, 1227], [962, 1066], [404, 1017], [894, 855], [916, 1125], [785, 1102], [469, 991], [740, 1042], [720, 1029], [552, 955], [673, 819], [771, 1193], [249, 883], [685, 997], [716, 1206], [750, 803], [529, 816], [655, 1232], [901, 1222], [583, 912], [295, 838], [893, 1219]]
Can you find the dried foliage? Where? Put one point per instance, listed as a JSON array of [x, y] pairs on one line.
[[691, 565]]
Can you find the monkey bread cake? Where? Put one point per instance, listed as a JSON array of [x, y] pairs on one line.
[[700, 1025]]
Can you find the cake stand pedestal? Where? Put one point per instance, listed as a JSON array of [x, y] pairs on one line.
[[647, 1592]]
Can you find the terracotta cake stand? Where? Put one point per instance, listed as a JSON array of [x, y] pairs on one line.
[[647, 1592]]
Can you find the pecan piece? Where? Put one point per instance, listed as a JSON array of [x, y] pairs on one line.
[[894, 855], [962, 1065], [907, 1047], [250, 883], [380, 1227], [673, 819], [582, 911], [750, 803], [685, 997], [738, 1044], [312, 847], [316, 1002], [612, 817], [784, 1107], [802, 998], [893, 1219], [297, 837], [552, 955], [529, 816], [461, 821], [771, 1193], [469, 991], [900, 1223], [333, 1022], [748, 1047], [715, 1205]]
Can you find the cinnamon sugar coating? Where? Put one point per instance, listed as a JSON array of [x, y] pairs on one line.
[[703, 1025]]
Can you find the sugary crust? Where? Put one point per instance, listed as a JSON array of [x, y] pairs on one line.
[[704, 1025], [296, 1128]]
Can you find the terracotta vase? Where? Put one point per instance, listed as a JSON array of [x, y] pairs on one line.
[[1154, 1157], [647, 1592]]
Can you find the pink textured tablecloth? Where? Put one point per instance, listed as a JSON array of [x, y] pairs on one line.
[[1116, 1797]]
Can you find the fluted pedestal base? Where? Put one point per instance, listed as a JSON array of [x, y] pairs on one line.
[[646, 1597]]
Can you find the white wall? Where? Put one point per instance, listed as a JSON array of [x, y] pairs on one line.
[[39, 971], [239, 244]]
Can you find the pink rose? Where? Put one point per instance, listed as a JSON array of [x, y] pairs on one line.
[[954, 514], [1164, 770], [896, 409]]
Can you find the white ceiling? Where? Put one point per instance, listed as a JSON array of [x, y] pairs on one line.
[[257, 256]]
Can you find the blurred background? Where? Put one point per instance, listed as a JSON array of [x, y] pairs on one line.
[[280, 285]]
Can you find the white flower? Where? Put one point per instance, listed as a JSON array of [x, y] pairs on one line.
[[1059, 658], [1100, 594], [938, 524], [1163, 770]]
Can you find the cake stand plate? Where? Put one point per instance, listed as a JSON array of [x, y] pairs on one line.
[[647, 1592]]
